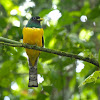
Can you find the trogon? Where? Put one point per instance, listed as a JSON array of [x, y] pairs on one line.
[[33, 34]]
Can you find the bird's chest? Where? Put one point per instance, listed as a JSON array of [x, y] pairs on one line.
[[33, 36]]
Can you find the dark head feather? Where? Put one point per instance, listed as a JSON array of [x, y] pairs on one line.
[[34, 22]]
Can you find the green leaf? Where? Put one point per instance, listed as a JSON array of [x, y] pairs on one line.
[[99, 57], [92, 78], [66, 21], [41, 96], [94, 13], [47, 89], [44, 12]]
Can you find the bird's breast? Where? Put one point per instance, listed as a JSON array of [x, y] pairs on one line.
[[33, 35]]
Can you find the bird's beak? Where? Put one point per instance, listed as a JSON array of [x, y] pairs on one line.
[[40, 19]]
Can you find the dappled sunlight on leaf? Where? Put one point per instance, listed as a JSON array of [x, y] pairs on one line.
[[85, 34], [52, 42], [92, 78]]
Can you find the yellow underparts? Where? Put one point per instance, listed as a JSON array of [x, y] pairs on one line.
[[33, 36]]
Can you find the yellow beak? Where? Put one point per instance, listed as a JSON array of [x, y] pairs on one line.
[[40, 19]]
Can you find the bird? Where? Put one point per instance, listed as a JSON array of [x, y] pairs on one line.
[[33, 35]]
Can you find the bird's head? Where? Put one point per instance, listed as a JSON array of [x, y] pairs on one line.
[[34, 22]]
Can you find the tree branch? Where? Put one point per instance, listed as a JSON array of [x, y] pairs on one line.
[[13, 43], [8, 40]]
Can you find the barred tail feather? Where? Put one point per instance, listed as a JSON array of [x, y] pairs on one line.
[[33, 75]]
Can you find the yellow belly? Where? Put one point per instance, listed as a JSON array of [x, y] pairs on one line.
[[33, 36]]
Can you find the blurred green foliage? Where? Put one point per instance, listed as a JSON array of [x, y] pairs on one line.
[[92, 78], [59, 77]]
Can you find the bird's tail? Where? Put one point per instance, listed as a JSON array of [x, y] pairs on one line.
[[33, 75]]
